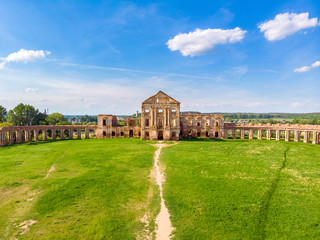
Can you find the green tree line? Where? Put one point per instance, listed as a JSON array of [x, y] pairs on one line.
[[27, 115]]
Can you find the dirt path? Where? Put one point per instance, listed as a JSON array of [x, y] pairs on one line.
[[163, 222]]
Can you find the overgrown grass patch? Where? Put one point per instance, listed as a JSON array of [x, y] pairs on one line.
[[99, 189], [243, 189]]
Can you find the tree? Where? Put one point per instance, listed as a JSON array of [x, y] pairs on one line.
[[23, 115], [55, 118], [3, 113]]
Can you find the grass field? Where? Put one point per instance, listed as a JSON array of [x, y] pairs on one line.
[[102, 189], [99, 189], [243, 189]]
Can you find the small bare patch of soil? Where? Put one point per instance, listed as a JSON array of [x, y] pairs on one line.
[[24, 226]]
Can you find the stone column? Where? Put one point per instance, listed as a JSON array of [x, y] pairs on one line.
[[155, 118], [44, 135], [79, 133], [27, 135], [53, 132], [169, 118], [278, 135], [259, 134], [71, 133], [287, 135], [251, 134], [61, 134], [10, 137], [268, 134], [306, 138], [2, 138], [296, 136], [225, 133], [234, 136], [87, 133], [151, 117], [18, 136], [315, 139], [36, 135], [242, 134], [165, 120], [178, 117]]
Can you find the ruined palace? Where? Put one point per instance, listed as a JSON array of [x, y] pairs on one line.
[[161, 120]]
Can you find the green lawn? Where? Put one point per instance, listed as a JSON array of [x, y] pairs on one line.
[[100, 189], [214, 189], [243, 189]]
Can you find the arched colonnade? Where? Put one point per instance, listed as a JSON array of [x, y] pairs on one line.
[[286, 132], [18, 134]]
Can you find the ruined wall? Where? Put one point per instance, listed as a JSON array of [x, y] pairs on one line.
[[202, 125]]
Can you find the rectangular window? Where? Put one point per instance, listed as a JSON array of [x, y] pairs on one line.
[[104, 122], [146, 110], [147, 122], [173, 135], [147, 134]]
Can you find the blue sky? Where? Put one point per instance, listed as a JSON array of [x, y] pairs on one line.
[[91, 57]]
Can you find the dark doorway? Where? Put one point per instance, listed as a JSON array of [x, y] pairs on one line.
[[160, 135], [113, 134], [198, 134], [131, 133], [216, 134], [104, 134]]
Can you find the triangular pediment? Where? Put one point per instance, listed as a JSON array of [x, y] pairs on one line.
[[160, 97]]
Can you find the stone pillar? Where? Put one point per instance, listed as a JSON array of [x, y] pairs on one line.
[[70, 134], [306, 138], [278, 135], [251, 134], [10, 137], [79, 133], [87, 133], [36, 135], [27, 135], [18, 136], [234, 136], [315, 139], [259, 134], [44, 135], [287, 136], [165, 120], [242, 134], [225, 133], [155, 118], [151, 117], [268, 134], [53, 133], [296, 136], [61, 134], [2, 138], [178, 117]]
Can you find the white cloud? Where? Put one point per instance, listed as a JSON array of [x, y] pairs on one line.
[[23, 56], [31, 90], [202, 41], [315, 64], [286, 24], [308, 68], [302, 69]]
